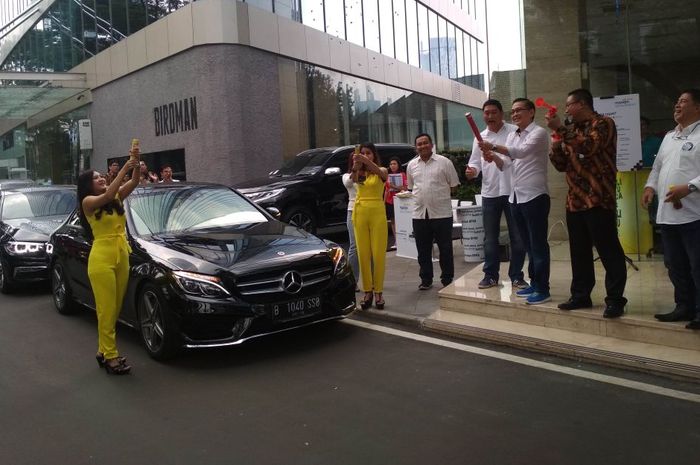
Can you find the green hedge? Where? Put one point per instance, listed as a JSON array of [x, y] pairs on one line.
[[467, 188]]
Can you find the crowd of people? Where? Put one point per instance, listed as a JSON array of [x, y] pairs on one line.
[[513, 161]]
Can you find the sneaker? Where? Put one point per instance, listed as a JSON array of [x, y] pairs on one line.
[[520, 284], [487, 283], [525, 292], [538, 298], [425, 286]]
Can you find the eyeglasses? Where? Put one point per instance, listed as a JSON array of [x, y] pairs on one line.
[[518, 110], [568, 104]]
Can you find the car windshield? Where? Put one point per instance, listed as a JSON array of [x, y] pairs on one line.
[[305, 163], [164, 211], [36, 204]]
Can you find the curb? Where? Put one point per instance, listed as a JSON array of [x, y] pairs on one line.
[[677, 371]]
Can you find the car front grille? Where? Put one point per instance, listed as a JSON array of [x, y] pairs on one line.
[[272, 282]]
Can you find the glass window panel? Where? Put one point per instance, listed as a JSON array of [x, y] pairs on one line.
[[442, 34], [119, 27], [412, 33], [137, 15], [104, 26], [288, 8], [434, 42], [400, 30], [423, 37], [353, 21], [452, 50], [483, 66], [263, 4], [475, 60], [89, 36], [335, 18], [459, 42], [312, 14], [386, 27], [371, 17]]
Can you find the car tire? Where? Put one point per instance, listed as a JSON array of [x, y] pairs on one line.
[[157, 327], [302, 218], [6, 282], [60, 292]]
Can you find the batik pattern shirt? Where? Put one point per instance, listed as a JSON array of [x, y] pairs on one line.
[[587, 154]]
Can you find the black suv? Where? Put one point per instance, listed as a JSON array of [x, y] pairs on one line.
[[308, 189]]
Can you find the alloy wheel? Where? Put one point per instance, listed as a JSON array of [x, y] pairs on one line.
[[302, 220], [58, 286], [151, 321]]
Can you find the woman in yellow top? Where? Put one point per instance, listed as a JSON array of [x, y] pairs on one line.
[[102, 216], [369, 222]]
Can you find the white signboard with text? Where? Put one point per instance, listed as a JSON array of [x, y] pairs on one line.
[[624, 110], [85, 134], [403, 215]]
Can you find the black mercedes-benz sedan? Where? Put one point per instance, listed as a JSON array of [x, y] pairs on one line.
[[27, 217], [208, 268]]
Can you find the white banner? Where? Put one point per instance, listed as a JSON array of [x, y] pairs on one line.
[[624, 110], [85, 134]]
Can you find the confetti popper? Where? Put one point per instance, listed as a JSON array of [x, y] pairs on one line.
[[135, 143], [551, 113], [676, 203], [475, 129]]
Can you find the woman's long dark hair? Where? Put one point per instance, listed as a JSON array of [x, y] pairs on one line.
[[85, 189], [369, 145]]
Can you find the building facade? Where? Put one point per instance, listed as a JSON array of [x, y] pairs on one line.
[[224, 90]]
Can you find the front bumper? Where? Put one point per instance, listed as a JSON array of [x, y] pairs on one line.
[[208, 323], [26, 269]]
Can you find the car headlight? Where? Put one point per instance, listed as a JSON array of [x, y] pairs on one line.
[[202, 285], [263, 195], [339, 257], [25, 248]]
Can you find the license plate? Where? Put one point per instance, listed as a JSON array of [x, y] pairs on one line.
[[294, 309]]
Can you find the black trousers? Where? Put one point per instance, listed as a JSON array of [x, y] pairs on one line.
[[596, 227], [682, 259], [438, 230]]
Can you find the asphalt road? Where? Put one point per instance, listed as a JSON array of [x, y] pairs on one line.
[[332, 394]]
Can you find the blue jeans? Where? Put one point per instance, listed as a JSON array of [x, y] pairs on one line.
[[532, 221], [492, 208], [352, 248], [682, 259]]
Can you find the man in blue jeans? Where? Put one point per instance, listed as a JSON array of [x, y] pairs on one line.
[[528, 148], [495, 190]]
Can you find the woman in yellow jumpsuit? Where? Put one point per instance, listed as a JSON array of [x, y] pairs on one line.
[[102, 216], [369, 223]]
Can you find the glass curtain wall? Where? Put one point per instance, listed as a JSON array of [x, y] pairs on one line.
[[75, 30], [648, 48], [321, 108]]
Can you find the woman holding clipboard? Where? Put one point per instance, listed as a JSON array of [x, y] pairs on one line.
[[396, 182]]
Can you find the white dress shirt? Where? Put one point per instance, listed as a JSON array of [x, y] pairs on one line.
[[494, 182], [352, 192], [431, 183], [529, 150], [677, 163]]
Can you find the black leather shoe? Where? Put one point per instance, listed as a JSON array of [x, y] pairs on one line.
[[575, 304], [694, 323], [613, 311], [678, 314]]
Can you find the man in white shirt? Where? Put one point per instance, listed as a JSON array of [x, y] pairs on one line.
[[675, 177], [495, 191], [432, 178], [166, 174], [528, 147]]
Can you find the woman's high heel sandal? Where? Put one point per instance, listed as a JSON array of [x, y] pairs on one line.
[[120, 368], [101, 360], [367, 302], [379, 304]]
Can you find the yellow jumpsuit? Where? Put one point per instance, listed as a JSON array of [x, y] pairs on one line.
[[108, 270], [369, 223]]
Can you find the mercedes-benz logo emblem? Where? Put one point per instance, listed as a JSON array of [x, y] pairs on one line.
[[292, 282]]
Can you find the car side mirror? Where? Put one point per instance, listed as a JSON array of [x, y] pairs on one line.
[[274, 211], [332, 171]]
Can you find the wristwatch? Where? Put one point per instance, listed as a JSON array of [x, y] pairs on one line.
[[692, 187]]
